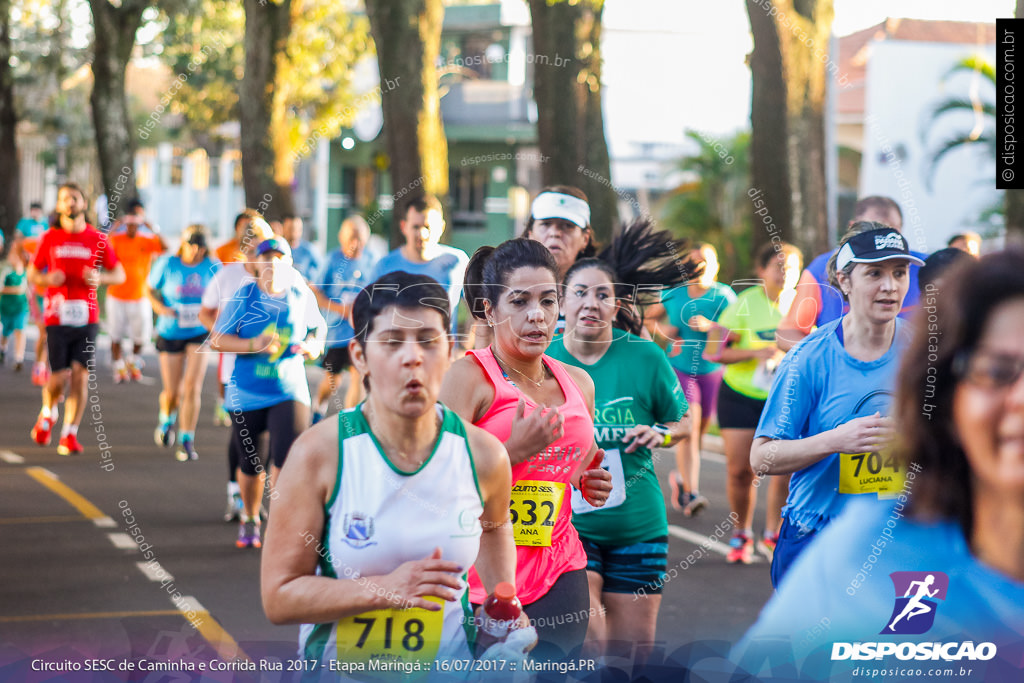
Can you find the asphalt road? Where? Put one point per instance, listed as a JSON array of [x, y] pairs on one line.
[[79, 584]]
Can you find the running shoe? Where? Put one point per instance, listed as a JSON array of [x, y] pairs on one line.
[[233, 511], [18, 365], [694, 504], [121, 375], [768, 543], [221, 417], [741, 549], [186, 451], [69, 445], [165, 435], [41, 430], [40, 374], [679, 495], [249, 534], [134, 371], [3, 357]]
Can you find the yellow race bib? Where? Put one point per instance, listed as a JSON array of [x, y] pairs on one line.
[[395, 635], [870, 473], [534, 509]]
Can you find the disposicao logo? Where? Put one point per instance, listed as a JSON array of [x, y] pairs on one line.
[[917, 596]]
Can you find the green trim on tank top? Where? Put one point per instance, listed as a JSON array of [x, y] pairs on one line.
[[454, 424], [365, 426]]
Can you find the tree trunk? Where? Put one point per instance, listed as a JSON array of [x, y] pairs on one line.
[[1014, 207], [407, 34], [10, 189], [567, 89], [114, 28], [788, 121], [267, 25]]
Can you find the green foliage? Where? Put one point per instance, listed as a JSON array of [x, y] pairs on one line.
[[981, 134], [714, 207], [313, 79]]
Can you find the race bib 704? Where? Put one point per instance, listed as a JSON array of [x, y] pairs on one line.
[[870, 473]]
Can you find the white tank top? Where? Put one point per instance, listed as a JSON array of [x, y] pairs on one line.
[[379, 517]]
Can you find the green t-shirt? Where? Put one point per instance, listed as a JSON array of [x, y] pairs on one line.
[[634, 385], [12, 304], [753, 318], [680, 307]]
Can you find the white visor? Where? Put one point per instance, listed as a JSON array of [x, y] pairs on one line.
[[557, 205]]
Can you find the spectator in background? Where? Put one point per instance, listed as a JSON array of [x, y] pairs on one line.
[[346, 272], [422, 254], [233, 251], [305, 257], [32, 225], [966, 241], [129, 313], [817, 302]]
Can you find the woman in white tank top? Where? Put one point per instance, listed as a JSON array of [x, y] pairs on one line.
[[379, 513]]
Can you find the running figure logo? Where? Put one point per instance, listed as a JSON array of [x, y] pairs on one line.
[[916, 601]]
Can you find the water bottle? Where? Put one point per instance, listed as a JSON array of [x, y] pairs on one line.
[[500, 612]]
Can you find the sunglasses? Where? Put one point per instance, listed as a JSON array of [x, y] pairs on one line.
[[988, 369]]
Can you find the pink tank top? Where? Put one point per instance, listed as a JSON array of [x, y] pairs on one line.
[[547, 544]]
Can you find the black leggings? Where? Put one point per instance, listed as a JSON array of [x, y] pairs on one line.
[[282, 421], [561, 617]]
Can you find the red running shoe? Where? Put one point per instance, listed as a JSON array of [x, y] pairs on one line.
[[69, 445], [41, 430]]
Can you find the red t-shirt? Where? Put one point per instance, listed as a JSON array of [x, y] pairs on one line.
[[74, 302]]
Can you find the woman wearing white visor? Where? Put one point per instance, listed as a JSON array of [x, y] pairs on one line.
[[560, 220], [825, 419]]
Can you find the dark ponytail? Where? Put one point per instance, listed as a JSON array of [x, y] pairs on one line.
[[490, 267]]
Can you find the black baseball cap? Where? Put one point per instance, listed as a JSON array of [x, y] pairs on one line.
[[874, 246]]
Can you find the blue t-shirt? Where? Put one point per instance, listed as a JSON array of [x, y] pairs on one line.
[[448, 268], [832, 304], [680, 307], [817, 387], [261, 380], [840, 590], [182, 288], [340, 280], [30, 227], [307, 261]]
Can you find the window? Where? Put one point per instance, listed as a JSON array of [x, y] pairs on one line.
[[468, 189]]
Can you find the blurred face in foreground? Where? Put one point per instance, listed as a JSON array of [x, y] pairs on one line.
[[988, 406]]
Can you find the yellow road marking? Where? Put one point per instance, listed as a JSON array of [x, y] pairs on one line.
[[88, 510], [40, 520], [211, 630]]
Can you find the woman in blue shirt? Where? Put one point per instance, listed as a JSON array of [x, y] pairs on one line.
[[943, 562], [273, 325], [825, 420], [176, 285]]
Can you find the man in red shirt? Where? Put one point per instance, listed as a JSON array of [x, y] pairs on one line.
[[71, 262]]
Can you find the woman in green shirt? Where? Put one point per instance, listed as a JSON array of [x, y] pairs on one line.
[[638, 406], [744, 342]]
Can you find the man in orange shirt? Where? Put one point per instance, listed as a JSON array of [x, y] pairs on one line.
[[231, 251], [129, 314]]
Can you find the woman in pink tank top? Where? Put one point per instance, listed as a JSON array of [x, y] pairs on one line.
[[542, 411]]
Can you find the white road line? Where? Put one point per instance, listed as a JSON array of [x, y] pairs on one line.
[[188, 603], [104, 523], [11, 458], [153, 571], [700, 539], [122, 541], [51, 474]]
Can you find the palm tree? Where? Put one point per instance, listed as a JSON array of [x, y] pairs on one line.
[[714, 207], [980, 105]]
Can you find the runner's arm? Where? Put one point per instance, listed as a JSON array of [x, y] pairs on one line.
[[496, 560]]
